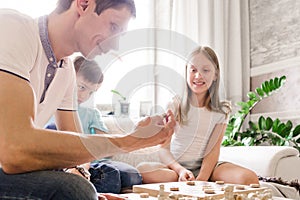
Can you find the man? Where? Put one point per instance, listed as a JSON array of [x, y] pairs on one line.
[[37, 80]]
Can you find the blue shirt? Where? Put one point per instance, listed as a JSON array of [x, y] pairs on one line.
[[91, 119]]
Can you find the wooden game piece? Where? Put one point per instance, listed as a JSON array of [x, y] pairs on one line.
[[190, 183], [201, 198], [174, 188], [239, 187], [228, 192], [220, 182], [144, 195], [254, 185], [252, 195], [173, 196], [161, 193], [238, 197], [209, 191], [204, 187]]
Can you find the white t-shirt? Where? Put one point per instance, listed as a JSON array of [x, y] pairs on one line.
[[189, 142], [22, 54]]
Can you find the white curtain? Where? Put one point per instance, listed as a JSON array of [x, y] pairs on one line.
[[220, 24]]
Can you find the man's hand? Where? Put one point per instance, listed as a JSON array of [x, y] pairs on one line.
[[150, 131]]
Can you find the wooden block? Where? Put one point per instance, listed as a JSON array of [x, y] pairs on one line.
[[209, 191], [174, 188], [144, 195], [255, 185], [190, 183], [220, 182], [240, 187]]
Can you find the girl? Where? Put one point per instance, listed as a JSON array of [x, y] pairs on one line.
[[193, 151]]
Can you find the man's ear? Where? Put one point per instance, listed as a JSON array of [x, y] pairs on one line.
[[82, 5]]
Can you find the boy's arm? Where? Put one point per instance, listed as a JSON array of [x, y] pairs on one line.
[[26, 148], [68, 121]]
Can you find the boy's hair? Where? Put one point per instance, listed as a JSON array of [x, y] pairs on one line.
[[101, 5], [88, 69], [212, 101]]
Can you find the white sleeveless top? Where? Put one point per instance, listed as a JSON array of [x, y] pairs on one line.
[[189, 142]]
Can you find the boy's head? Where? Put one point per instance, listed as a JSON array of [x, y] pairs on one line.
[[88, 76]]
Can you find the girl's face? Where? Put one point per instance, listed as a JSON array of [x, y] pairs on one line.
[[85, 89], [200, 74]]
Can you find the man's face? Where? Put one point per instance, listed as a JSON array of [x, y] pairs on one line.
[[92, 29]]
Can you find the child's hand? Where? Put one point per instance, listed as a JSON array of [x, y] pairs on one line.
[[81, 170], [109, 196], [186, 175]]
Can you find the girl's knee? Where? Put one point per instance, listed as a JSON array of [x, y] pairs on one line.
[[231, 173], [145, 167], [250, 177], [246, 177]]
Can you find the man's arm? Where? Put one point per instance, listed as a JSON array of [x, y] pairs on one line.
[[25, 148]]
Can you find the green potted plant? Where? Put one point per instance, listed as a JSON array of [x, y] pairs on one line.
[[124, 105], [265, 130]]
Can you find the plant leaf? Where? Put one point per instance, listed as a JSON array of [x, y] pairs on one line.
[[272, 85], [296, 131], [260, 92], [252, 96], [261, 123], [282, 80], [275, 125], [118, 93], [269, 123]]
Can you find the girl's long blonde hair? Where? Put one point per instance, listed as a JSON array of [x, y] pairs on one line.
[[212, 101]]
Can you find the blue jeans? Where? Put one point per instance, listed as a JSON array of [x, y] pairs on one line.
[[113, 176], [45, 185]]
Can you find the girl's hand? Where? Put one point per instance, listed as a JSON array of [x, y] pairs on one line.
[[186, 175]]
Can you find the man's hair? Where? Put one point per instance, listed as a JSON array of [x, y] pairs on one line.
[[101, 5], [88, 69]]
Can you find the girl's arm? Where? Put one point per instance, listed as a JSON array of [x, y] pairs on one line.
[[212, 153]]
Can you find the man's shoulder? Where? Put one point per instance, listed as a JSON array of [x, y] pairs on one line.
[[18, 25], [14, 16]]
